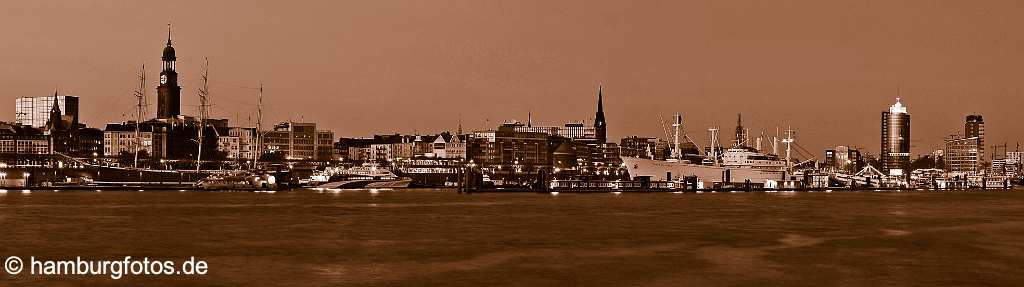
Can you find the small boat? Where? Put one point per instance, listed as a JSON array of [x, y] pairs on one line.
[[238, 181]]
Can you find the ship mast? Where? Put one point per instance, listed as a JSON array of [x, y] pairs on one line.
[[204, 92], [714, 144], [676, 151], [140, 96], [788, 141], [259, 118]]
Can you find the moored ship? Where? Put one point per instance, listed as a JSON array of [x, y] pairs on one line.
[[368, 175], [735, 165]]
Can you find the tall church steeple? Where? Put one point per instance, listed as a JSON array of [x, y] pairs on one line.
[[600, 127], [741, 135], [55, 122], [168, 92]]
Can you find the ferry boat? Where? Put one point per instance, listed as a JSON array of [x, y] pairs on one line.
[[738, 164], [367, 175]]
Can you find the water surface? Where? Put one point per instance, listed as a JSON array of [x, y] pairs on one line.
[[439, 237]]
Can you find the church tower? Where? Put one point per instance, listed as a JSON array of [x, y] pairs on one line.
[[600, 127], [56, 122], [168, 92]]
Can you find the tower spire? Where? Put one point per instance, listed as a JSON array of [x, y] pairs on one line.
[[168, 33], [55, 114], [600, 127]]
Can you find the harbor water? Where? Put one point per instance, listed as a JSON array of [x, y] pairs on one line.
[[443, 238]]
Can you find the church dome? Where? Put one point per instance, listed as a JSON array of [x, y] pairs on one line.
[[168, 53]]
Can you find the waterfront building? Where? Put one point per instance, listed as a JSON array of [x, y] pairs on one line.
[[844, 159], [512, 152], [974, 126], [121, 137], [18, 139], [576, 130], [35, 111], [299, 141], [353, 149], [1014, 156], [895, 152], [395, 146], [229, 143], [237, 143], [961, 155], [997, 167], [447, 145], [570, 159], [642, 147], [1013, 162]]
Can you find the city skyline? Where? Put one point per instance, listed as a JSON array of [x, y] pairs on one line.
[[360, 92]]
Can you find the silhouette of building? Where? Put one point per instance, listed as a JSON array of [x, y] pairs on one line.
[[168, 92], [895, 155], [974, 126], [600, 126]]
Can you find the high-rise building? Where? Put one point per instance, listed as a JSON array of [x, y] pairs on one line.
[[35, 111], [974, 126], [600, 127], [961, 155], [168, 92], [895, 153]]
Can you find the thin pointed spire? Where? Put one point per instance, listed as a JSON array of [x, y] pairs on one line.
[[56, 103], [54, 121], [601, 129], [168, 33], [460, 124]]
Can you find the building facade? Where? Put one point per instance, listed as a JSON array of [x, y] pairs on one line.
[[961, 155], [974, 126], [299, 141], [121, 137], [35, 111], [844, 159]]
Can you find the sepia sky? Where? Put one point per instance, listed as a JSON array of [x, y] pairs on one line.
[[826, 68]]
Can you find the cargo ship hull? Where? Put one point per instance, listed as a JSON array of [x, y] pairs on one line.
[[659, 169]]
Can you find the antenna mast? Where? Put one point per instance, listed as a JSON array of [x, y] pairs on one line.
[[204, 93], [140, 96]]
